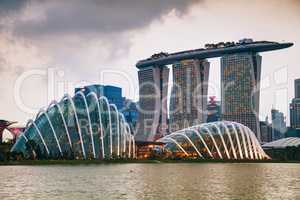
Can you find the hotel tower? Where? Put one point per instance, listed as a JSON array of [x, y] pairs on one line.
[[189, 94], [153, 89], [240, 77]]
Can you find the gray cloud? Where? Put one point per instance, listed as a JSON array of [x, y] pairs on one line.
[[48, 25], [8, 9], [10, 6], [51, 25], [95, 17]]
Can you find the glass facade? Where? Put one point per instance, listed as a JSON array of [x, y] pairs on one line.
[[130, 112], [240, 77], [189, 93], [297, 88], [216, 140], [295, 113], [278, 124], [82, 127], [112, 93], [153, 108]]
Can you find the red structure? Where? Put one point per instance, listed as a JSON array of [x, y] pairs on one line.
[[15, 131]]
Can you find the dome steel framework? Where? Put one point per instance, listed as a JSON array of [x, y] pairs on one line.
[[216, 140], [82, 127]]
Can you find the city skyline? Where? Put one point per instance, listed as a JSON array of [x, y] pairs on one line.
[[31, 40]]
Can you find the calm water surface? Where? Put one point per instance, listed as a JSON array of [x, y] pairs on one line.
[[151, 181]]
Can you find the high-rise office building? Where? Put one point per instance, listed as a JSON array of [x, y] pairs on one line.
[[297, 88], [278, 124], [189, 94], [98, 89], [295, 107], [240, 77], [265, 131], [112, 93], [295, 113], [130, 112], [153, 111]]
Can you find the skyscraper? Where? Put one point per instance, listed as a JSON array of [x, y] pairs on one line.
[[295, 107], [240, 77], [153, 90], [189, 93], [295, 113], [98, 89], [265, 131], [297, 88], [130, 112], [278, 124], [112, 93]]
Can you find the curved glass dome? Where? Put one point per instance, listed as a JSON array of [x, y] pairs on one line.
[[217, 140], [82, 127]]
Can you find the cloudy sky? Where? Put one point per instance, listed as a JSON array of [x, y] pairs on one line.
[[48, 47]]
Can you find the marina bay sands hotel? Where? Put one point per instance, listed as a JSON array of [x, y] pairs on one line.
[[240, 78]]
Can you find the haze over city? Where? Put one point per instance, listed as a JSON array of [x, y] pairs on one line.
[[100, 42]]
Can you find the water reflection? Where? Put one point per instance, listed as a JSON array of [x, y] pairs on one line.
[[152, 181]]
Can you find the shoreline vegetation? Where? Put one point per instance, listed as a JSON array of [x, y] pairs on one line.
[[116, 161]]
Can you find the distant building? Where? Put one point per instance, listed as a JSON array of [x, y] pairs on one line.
[[240, 75], [292, 132], [213, 110], [98, 89], [112, 93], [295, 113], [278, 124], [114, 96], [295, 107], [130, 112], [265, 131], [189, 93], [297, 88]]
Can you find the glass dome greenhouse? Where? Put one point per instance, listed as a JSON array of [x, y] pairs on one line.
[[82, 127], [216, 140]]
